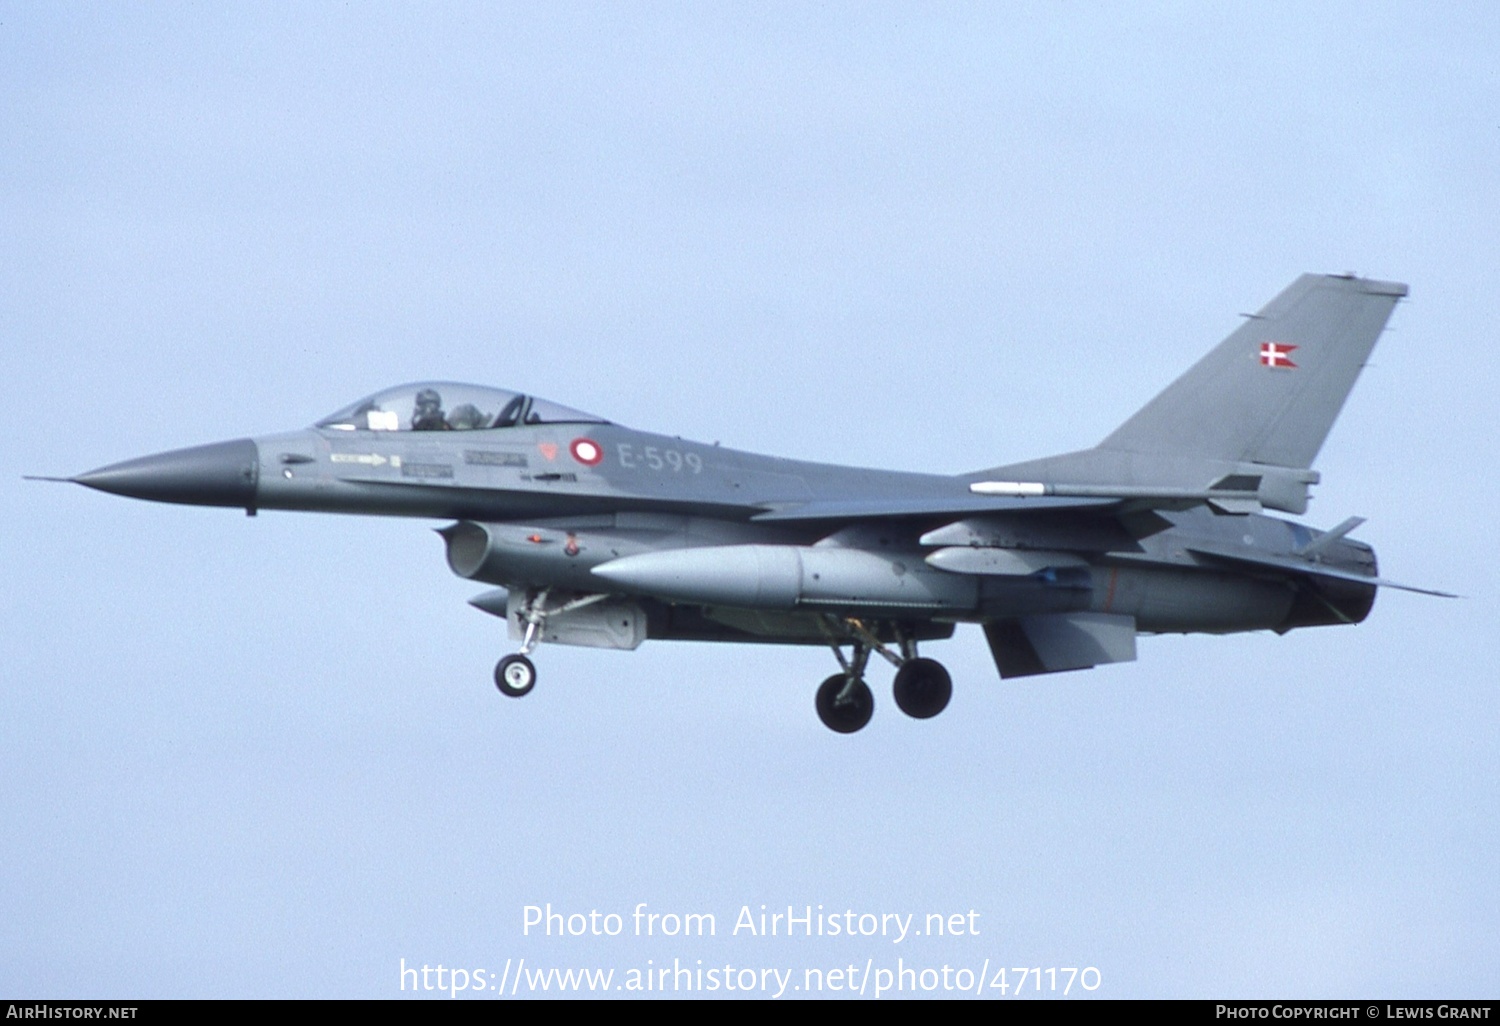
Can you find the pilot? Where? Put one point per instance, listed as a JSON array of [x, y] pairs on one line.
[[428, 416]]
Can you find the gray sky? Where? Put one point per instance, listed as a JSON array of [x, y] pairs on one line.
[[264, 757]]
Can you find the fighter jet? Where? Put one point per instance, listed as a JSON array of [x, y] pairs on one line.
[[601, 535]]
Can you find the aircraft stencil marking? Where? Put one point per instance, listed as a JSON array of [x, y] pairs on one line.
[[485, 458], [656, 458], [1062, 561]]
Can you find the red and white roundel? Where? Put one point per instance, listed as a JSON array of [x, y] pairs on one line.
[[586, 451]]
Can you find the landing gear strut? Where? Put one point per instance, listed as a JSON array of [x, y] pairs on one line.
[[922, 687], [515, 675], [844, 701]]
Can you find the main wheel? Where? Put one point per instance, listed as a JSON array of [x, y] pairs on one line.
[[849, 715], [923, 688], [515, 676]]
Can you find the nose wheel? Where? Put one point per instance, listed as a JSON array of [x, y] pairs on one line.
[[515, 676]]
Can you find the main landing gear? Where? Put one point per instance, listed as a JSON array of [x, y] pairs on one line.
[[515, 675], [922, 687], [844, 701]]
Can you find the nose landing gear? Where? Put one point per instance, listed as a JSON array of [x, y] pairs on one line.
[[515, 675]]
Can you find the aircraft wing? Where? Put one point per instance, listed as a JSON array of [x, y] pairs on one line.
[[1020, 497], [850, 510]]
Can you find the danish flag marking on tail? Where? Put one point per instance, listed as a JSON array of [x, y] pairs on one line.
[[1276, 354]]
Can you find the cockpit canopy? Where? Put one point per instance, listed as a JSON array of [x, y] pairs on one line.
[[450, 406]]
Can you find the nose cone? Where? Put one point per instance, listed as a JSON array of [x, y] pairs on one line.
[[222, 474]]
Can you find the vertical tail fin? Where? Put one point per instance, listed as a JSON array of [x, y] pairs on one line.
[[1269, 393]]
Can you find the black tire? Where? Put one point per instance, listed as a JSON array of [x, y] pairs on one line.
[[850, 715], [515, 676], [922, 688]]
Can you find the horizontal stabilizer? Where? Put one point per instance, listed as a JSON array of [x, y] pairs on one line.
[[1030, 645], [1303, 566], [1325, 541]]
